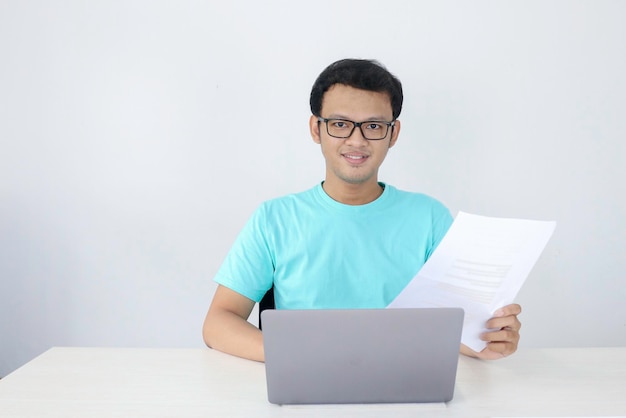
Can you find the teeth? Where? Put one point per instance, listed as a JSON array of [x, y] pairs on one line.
[[355, 157]]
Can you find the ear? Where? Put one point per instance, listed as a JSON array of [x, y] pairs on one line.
[[314, 127], [394, 134]]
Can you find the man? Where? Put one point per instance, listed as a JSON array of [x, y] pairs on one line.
[[349, 242]]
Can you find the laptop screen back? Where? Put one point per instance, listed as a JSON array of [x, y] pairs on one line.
[[361, 355]]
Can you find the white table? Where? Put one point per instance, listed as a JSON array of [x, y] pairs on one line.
[[119, 382]]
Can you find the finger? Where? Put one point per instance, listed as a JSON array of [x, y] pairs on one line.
[[504, 322], [512, 309], [504, 335], [502, 348]]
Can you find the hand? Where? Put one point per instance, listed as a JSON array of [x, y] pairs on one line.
[[503, 340]]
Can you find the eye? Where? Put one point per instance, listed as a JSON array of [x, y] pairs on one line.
[[340, 124], [373, 126]]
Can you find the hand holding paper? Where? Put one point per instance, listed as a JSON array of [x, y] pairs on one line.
[[480, 266]]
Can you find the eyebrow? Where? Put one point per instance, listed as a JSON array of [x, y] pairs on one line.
[[372, 118]]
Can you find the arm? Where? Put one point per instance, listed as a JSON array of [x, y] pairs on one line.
[[226, 327], [503, 341]]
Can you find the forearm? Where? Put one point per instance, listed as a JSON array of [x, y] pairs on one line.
[[226, 331]]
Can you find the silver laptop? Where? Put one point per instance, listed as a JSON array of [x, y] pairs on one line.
[[361, 355]]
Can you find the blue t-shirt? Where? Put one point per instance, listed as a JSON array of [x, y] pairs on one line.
[[319, 253]]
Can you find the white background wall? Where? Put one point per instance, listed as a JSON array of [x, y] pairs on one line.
[[138, 136]]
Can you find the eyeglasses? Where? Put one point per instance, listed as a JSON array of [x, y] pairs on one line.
[[370, 129]]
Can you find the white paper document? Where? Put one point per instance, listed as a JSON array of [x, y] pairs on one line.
[[480, 266]]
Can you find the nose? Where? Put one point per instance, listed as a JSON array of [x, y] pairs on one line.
[[357, 137]]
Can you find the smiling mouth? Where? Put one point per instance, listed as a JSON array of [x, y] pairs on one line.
[[355, 158]]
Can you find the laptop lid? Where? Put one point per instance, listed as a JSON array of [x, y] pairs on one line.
[[361, 355]]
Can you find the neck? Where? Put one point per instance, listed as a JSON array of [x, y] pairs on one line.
[[353, 194]]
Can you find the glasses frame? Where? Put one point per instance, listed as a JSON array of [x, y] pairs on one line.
[[358, 125]]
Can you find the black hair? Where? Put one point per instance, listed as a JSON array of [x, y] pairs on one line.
[[361, 74]]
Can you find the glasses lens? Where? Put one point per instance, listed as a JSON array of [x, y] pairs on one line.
[[374, 130], [339, 128]]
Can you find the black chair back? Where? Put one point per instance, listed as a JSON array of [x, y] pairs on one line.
[[267, 302]]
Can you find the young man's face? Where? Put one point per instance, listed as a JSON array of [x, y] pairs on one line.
[[354, 160]]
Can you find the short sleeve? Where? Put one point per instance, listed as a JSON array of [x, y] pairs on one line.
[[442, 220], [248, 268]]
